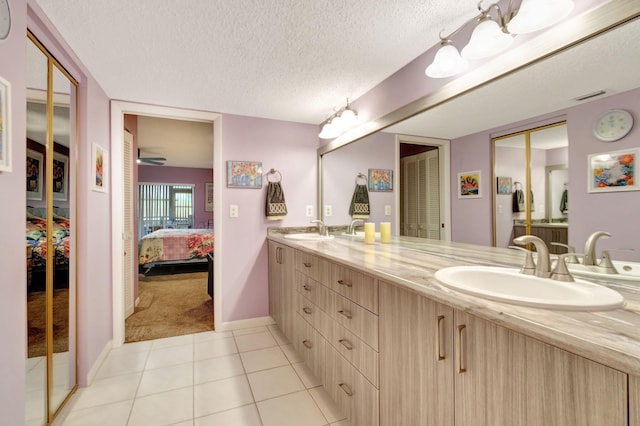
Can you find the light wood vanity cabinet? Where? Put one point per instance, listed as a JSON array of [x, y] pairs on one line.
[[634, 400], [281, 287]]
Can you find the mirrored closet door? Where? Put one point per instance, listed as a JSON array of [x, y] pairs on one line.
[[50, 235]]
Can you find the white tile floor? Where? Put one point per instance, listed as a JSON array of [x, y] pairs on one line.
[[249, 377]]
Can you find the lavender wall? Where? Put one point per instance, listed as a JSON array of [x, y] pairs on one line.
[[197, 177], [589, 212], [289, 148], [340, 169], [13, 280]]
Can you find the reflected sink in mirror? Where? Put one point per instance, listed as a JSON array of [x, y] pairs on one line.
[[311, 236], [359, 235], [510, 286], [627, 271]]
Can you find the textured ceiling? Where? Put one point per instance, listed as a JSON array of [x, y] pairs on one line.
[[293, 60]]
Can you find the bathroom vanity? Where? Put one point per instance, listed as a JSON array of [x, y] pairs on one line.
[[392, 346]]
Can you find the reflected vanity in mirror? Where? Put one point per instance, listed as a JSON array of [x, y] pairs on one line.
[[537, 96], [50, 235]]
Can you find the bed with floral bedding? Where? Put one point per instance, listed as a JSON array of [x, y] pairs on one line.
[[36, 238], [174, 246]]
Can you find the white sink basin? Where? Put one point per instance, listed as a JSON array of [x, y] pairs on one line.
[[312, 236], [510, 286], [627, 271]]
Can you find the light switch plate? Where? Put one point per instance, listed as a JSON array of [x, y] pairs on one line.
[[309, 210], [387, 210], [233, 210], [328, 211]]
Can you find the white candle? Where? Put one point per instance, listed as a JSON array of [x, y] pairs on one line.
[[369, 232], [385, 232]]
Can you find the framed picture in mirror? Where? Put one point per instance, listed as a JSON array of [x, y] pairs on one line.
[[381, 180], [504, 185], [613, 171], [60, 176], [469, 184], [35, 174], [5, 125], [208, 197]]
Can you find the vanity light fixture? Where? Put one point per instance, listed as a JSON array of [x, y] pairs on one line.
[[493, 35], [339, 122]]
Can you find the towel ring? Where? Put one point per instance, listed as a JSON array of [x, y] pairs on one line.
[[274, 172], [363, 177]]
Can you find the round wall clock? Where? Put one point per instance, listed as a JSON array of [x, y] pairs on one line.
[[5, 19], [613, 125]]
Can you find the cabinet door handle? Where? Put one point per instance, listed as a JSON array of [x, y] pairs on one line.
[[279, 255], [307, 287], [346, 389], [345, 283], [307, 344], [306, 310], [462, 367], [345, 314], [347, 344], [439, 345], [307, 264]]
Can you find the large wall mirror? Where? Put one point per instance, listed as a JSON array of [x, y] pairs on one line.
[[536, 97], [50, 235]]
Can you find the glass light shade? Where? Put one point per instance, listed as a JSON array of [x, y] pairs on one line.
[[337, 124], [348, 118], [446, 63], [328, 131], [486, 40], [535, 15]]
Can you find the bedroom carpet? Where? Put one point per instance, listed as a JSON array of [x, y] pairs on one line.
[[170, 305], [36, 314]]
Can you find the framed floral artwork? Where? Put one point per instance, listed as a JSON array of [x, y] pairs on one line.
[[244, 174], [469, 184], [613, 171], [504, 185], [99, 168], [380, 180], [5, 126]]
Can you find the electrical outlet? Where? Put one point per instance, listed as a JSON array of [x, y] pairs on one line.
[[499, 208], [328, 211], [233, 210], [387, 210], [309, 210]]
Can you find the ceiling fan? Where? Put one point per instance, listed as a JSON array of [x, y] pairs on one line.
[[156, 161]]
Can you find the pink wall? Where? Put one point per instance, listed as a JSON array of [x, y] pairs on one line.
[[197, 177], [590, 212], [291, 149], [13, 281]]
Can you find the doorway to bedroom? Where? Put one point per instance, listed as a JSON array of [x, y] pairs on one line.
[[167, 218]]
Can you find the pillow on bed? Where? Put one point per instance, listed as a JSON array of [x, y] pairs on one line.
[[34, 232]]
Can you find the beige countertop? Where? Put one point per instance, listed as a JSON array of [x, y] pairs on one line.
[[608, 337]]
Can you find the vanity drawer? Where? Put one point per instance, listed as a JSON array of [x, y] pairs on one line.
[[311, 346], [312, 266], [353, 393], [308, 311], [355, 286], [309, 288], [353, 317], [362, 356]]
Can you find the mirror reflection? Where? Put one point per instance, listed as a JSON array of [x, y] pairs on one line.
[[553, 90]]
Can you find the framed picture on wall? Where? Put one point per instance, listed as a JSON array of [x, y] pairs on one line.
[[208, 197], [381, 180], [613, 171], [469, 184], [5, 126], [60, 176], [35, 174], [244, 174], [99, 168], [504, 185]]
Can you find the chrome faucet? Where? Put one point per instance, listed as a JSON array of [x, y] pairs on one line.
[[542, 268], [351, 230], [590, 247], [322, 228]]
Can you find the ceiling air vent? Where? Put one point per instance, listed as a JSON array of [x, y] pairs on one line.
[[590, 95]]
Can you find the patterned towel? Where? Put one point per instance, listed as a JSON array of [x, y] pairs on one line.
[[359, 208], [276, 208]]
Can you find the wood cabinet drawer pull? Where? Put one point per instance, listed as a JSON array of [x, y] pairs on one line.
[[345, 314], [307, 264], [345, 283], [347, 344], [306, 310], [439, 345], [307, 344], [462, 367], [307, 287], [346, 389]]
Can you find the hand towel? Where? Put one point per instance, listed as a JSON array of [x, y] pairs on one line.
[[564, 202], [359, 207], [276, 208], [518, 201]]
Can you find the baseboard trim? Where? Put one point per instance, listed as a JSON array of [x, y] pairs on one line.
[[137, 302], [98, 362], [245, 323]]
